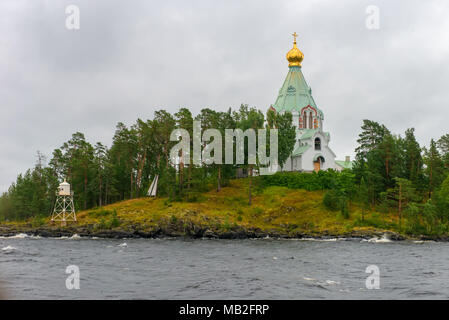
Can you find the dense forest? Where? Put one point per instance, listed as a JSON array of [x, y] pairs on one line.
[[394, 172], [100, 175], [391, 173]]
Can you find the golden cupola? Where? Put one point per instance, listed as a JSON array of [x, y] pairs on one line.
[[295, 56]]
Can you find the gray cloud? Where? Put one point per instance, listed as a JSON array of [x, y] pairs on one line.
[[132, 58]]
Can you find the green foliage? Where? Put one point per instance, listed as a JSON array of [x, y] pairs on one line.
[[112, 222], [413, 160], [390, 172], [31, 195], [374, 221], [286, 136], [435, 170], [335, 200], [226, 226], [423, 219], [331, 200], [99, 213], [38, 222], [442, 200], [308, 181], [101, 224], [443, 146], [340, 186]]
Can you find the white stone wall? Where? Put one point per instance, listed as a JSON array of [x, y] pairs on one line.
[[309, 156]]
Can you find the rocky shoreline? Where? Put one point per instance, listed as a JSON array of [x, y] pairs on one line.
[[195, 232]]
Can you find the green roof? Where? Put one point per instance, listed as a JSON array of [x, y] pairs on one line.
[[344, 164], [295, 93], [300, 150], [308, 133]]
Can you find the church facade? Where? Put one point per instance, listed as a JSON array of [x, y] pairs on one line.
[[311, 151]]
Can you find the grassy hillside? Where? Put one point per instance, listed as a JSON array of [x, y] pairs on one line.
[[275, 210]]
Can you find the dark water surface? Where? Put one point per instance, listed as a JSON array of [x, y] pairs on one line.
[[33, 268]]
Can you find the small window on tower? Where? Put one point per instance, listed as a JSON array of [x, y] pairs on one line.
[[311, 121], [317, 144]]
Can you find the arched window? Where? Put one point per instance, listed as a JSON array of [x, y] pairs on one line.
[[317, 144], [304, 125], [311, 121]]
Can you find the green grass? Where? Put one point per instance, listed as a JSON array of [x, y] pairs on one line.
[[273, 208]]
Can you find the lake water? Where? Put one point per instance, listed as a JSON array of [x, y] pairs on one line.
[[35, 268]]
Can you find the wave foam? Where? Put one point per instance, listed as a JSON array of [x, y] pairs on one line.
[[323, 240], [384, 239], [8, 249], [21, 236]]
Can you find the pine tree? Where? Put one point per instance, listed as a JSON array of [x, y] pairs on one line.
[[184, 120], [249, 118], [412, 158], [402, 194], [434, 168], [443, 146], [442, 200], [364, 197], [286, 136]]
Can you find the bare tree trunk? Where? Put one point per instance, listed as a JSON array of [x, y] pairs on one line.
[[106, 193], [181, 172], [250, 183], [131, 190], [140, 171], [400, 205], [85, 189], [219, 178], [387, 167], [100, 190], [189, 178]]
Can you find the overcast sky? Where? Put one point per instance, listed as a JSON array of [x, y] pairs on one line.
[[130, 58]]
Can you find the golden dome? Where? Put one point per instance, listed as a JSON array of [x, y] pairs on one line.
[[295, 56]]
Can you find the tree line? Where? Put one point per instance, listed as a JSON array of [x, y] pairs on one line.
[[101, 175], [393, 173]]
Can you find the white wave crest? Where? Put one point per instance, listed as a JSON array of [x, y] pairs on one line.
[[323, 240], [384, 239], [21, 236], [309, 279], [8, 249]]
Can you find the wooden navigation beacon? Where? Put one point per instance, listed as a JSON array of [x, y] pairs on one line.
[[64, 210], [153, 187]]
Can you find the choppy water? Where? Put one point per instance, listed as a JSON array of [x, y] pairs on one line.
[[33, 268]]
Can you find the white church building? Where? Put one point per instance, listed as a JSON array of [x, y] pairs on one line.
[[311, 151]]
